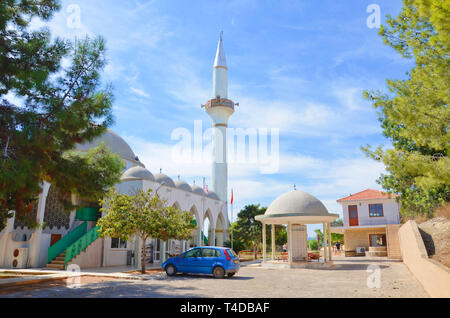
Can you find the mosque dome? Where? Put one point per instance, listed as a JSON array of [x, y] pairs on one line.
[[137, 173], [213, 195], [113, 141], [162, 178], [296, 203], [180, 184], [197, 189]]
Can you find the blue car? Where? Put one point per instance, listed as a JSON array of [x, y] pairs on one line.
[[218, 261]]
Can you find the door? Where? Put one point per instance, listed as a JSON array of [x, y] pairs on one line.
[[190, 261], [353, 215], [209, 258], [55, 238]]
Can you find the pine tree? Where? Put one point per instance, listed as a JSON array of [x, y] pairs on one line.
[[62, 106], [414, 114]]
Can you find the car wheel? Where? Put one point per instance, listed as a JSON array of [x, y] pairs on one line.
[[171, 270], [231, 275], [219, 272]]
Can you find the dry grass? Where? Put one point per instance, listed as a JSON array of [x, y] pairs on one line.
[[443, 212]]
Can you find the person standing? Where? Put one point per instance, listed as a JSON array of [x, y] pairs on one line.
[[338, 248]]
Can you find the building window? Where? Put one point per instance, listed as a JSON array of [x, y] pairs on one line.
[[117, 243], [377, 240], [376, 210]]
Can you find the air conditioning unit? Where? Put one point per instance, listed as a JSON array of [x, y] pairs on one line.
[[20, 257], [360, 250]]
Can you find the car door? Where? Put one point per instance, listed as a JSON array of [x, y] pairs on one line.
[[189, 262], [209, 259]]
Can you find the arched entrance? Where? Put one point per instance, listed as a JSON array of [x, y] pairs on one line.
[[220, 230], [194, 241], [208, 229]]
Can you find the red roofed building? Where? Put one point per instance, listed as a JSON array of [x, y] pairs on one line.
[[371, 220], [368, 194]]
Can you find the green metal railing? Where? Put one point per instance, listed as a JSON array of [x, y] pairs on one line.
[[81, 244], [63, 243]]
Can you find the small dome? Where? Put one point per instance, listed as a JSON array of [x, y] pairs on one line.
[[137, 173], [162, 178], [213, 195], [180, 184], [296, 202], [113, 141], [197, 189]]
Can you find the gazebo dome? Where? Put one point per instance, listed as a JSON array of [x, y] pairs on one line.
[[212, 195], [162, 178], [197, 189], [113, 141], [180, 184], [296, 202], [296, 206], [137, 173]]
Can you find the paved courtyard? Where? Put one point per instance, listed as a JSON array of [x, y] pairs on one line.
[[347, 279]]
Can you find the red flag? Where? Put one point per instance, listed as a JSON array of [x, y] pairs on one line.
[[231, 196]]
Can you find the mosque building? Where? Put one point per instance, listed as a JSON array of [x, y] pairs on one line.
[[70, 238]]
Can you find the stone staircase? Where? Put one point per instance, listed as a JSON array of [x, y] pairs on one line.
[[393, 242], [58, 262]]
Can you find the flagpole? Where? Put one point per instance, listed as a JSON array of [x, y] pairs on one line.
[[232, 227], [231, 201]]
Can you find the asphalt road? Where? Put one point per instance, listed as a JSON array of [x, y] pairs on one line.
[[349, 278]]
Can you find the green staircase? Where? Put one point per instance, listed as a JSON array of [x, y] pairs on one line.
[[70, 246]]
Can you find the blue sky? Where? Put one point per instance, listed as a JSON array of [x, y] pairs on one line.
[[300, 66]]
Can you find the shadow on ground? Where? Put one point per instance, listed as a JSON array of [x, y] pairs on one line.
[[112, 289]]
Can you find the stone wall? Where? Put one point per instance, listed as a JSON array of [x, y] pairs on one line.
[[354, 238], [393, 243]]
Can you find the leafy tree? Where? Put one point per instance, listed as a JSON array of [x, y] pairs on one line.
[[62, 106], [144, 215], [248, 230], [313, 245], [415, 114], [319, 235], [280, 235], [335, 237], [338, 222]]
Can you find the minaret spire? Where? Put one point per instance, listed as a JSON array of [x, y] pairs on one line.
[[220, 108], [220, 54]]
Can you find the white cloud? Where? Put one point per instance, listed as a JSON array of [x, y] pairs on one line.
[[139, 92]]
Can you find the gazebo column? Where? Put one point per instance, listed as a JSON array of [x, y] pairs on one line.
[[289, 233], [329, 240], [264, 241], [324, 243], [273, 242]]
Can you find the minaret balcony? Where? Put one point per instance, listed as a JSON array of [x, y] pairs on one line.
[[220, 102]]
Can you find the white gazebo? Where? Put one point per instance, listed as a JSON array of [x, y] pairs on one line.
[[296, 209]]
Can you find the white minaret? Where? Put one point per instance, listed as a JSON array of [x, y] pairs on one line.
[[220, 108]]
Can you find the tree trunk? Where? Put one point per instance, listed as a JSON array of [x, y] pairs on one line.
[[143, 255]]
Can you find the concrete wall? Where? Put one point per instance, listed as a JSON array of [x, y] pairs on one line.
[[434, 277], [390, 212], [91, 257]]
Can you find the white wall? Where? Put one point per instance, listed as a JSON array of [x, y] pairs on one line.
[[390, 212]]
